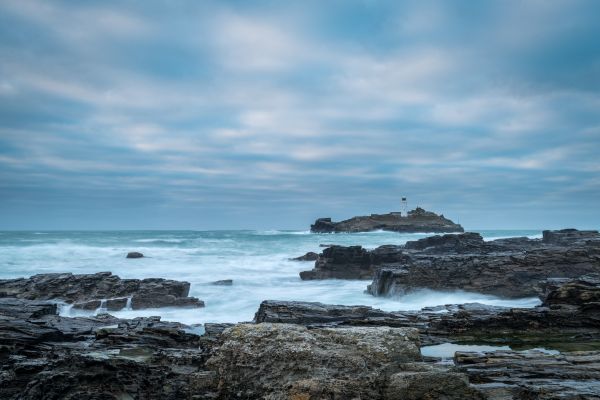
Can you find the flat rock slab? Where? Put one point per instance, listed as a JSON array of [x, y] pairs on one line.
[[506, 375], [90, 291]]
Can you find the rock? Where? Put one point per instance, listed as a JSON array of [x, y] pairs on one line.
[[353, 262], [582, 291], [463, 261], [310, 256], [506, 274], [569, 237], [215, 329], [45, 356], [432, 384], [224, 282], [510, 268], [311, 313], [465, 242], [417, 220], [87, 291], [570, 312], [134, 254], [503, 375], [283, 361]]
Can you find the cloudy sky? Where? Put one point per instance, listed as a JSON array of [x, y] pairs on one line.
[[268, 114]]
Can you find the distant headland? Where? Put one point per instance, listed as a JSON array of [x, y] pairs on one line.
[[416, 221]]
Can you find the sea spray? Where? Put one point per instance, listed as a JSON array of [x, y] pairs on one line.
[[257, 261]]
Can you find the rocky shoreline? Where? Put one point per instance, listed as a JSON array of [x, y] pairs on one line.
[[307, 350]]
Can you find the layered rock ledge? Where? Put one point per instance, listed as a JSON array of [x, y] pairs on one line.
[[101, 290], [511, 267], [417, 220], [301, 350]]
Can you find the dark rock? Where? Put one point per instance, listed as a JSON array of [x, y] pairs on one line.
[[310, 256], [430, 383], [45, 356], [89, 290], [224, 282], [506, 274], [569, 310], [311, 313], [464, 261], [569, 236], [465, 242], [582, 291], [215, 329], [134, 254], [352, 262], [417, 220], [503, 375]]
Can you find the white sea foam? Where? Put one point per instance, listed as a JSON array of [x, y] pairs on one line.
[[258, 263], [159, 240]]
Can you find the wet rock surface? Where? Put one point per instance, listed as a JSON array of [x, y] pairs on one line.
[[89, 291], [510, 268], [303, 350], [223, 282], [417, 220], [503, 375], [134, 254], [310, 256], [298, 350], [45, 356], [568, 310], [353, 262]]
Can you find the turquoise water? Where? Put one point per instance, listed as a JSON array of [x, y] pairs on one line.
[[257, 261]]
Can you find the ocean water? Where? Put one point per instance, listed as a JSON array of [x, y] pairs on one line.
[[257, 261]]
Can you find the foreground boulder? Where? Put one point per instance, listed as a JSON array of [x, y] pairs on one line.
[[282, 361], [417, 220], [101, 290]]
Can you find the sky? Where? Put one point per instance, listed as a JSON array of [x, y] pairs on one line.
[[269, 114]]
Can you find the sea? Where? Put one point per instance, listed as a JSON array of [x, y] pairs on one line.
[[258, 262]]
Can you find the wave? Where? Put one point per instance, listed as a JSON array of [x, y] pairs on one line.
[[160, 240], [534, 236], [273, 232]]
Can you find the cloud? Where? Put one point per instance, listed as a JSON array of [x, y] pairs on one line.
[[271, 108]]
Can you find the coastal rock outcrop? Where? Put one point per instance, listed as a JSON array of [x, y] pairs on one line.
[[353, 262], [417, 220], [570, 309], [283, 361], [45, 356], [511, 267], [510, 375], [91, 291], [310, 256], [134, 254], [505, 274]]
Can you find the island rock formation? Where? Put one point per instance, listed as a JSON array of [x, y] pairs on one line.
[[417, 220]]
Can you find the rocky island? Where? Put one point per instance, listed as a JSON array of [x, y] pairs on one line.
[[417, 220]]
